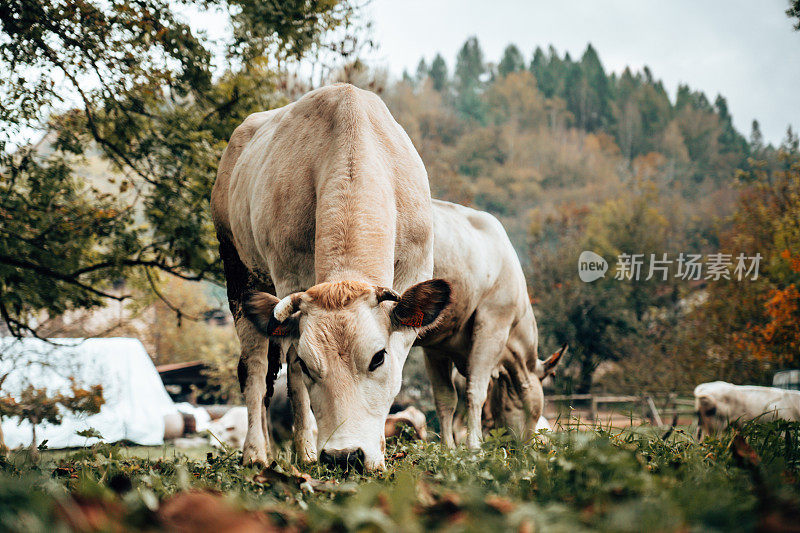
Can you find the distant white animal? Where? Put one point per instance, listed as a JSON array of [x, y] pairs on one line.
[[230, 428], [719, 404]]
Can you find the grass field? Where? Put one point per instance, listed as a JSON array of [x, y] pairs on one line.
[[611, 480]]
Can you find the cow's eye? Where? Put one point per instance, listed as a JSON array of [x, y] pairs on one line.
[[377, 360], [303, 367]]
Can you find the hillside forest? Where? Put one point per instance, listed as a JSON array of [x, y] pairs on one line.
[[571, 157]]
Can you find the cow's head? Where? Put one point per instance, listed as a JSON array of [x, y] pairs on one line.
[[708, 420], [515, 399], [352, 341]]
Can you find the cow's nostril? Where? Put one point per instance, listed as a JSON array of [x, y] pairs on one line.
[[345, 459], [359, 456]]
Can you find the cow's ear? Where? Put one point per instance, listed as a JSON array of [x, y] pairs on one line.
[[259, 308], [420, 305]]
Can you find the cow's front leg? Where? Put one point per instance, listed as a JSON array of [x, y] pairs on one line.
[[487, 348], [440, 372], [477, 386], [253, 374], [303, 427]]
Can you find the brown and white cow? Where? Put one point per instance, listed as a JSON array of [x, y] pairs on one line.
[[326, 203], [489, 332]]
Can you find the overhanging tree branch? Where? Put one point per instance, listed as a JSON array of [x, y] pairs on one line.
[[66, 278]]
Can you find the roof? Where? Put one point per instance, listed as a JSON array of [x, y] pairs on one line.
[[189, 372]]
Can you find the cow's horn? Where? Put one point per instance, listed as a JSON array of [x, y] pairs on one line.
[[287, 307], [384, 293], [553, 360]]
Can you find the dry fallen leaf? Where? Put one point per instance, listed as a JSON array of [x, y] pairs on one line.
[[500, 504], [206, 512]]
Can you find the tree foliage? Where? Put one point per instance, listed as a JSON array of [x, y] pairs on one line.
[[512, 61], [131, 82], [38, 405], [761, 324]]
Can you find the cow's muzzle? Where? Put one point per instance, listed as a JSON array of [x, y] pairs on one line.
[[346, 459]]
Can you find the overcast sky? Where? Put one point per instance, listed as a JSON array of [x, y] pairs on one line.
[[745, 50]]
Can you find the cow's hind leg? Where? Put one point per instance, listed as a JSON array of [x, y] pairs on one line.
[[440, 372], [260, 359]]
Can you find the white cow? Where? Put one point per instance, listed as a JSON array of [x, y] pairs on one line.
[[488, 332], [326, 204], [719, 404]]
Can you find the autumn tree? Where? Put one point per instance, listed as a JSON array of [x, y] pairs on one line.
[[605, 320], [38, 405]]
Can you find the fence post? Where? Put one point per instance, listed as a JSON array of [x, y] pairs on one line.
[[656, 416]]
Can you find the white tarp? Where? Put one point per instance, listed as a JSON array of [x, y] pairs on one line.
[[135, 399]]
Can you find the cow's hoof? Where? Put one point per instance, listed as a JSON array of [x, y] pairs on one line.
[[474, 443], [306, 454], [254, 456], [303, 447]]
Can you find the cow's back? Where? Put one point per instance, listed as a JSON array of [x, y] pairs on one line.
[[472, 252], [747, 402], [327, 188]]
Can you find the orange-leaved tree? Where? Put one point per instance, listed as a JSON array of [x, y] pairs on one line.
[[37, 405], [767, 314]]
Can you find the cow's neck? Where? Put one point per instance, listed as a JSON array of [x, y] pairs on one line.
[[355, 231]]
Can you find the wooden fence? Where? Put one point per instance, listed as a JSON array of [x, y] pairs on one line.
[[659, 410]]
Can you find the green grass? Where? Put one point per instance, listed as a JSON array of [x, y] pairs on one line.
[[629, 480]]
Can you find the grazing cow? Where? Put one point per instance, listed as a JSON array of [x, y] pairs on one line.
[[719, 404], [325, 203], [515, 399], [489, 329]]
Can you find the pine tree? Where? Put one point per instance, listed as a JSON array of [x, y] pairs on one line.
[[683, 97], [729, 139], [512, 61], [543, 72], [596, 93], [422, 70], [790, 142], [756, 139], [438, 73], [470, 67]]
